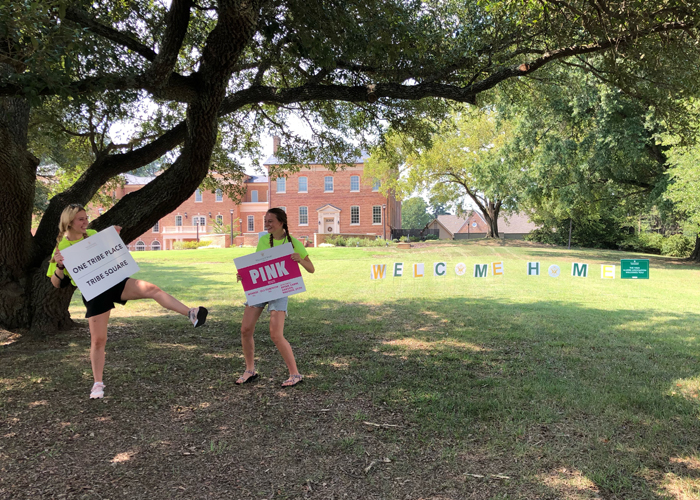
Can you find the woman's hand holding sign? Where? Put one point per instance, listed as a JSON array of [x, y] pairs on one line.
[[59, 259]]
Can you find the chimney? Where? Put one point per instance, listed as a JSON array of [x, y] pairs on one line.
[[275, 144]]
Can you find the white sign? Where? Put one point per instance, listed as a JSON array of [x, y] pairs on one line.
[[269, 274], [99, 262]]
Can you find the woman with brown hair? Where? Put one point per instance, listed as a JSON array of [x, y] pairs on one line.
[[72, 228], [276, 225]]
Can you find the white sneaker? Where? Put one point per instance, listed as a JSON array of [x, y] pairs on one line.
[[98, 391]]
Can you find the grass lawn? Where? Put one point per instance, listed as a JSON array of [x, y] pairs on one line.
[[503, 387]]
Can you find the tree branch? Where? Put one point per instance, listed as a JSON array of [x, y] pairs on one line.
[[177, 21], [125, 39]]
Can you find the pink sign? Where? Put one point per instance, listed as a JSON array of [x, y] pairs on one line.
[[270, 274]]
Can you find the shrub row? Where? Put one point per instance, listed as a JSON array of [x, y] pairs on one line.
[[342, 241], [190, 245]]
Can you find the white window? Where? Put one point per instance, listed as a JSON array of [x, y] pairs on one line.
[[328, 184], [178, 220], [220, 220], [303, 184], [251, 223], [100, 211], [354, 183], [219, 195], [156, 228], [198, 195], [140, 246], [377, 214], [377, 184], [199, 220], [283, 208], [155, 245], [254, 196], [354, 215], [281, 185], [303, 216]]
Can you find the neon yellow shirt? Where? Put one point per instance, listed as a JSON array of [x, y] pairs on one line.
[[65, 243], [264, 244]]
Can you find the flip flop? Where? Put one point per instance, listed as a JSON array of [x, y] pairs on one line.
[[252, 377], [295, 379]]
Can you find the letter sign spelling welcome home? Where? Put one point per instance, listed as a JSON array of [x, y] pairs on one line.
[[99, 262], [270, 274]]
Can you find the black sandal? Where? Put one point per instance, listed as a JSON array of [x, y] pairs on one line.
[[241, 380]]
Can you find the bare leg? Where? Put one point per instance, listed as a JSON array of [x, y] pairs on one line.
[[138, 289], [250, 318], [277, 336], [98, 340]]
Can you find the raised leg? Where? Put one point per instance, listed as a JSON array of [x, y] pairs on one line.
[[138, 289]]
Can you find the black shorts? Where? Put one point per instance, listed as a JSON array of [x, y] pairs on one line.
[[105, 301]]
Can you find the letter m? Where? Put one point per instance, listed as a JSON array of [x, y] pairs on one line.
[[580, 270], [480, 271]]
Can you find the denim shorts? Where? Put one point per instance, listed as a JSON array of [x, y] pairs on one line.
[[273, 305]]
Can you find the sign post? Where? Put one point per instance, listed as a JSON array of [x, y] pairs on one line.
[[270, 274], [634, 269], [99, 262]]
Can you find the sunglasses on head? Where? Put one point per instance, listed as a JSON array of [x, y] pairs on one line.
[[76, 205]]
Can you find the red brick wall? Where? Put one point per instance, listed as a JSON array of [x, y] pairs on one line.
[[341, 197], [194, 208]]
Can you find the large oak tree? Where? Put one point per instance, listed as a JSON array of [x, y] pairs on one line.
[[235, 65]]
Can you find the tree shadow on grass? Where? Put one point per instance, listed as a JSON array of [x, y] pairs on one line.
[[408, 399]]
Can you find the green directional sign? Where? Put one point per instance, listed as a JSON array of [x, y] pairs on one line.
[[634, 269]]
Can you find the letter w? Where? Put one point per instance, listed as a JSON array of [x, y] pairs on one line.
[[378, 271]]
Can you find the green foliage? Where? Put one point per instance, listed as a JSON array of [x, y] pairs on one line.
[[467, 156], [190, 245], [602, 231], [645, 242], [677, 245], [414, 213], [226, 228], [684, 189], [343, 241]]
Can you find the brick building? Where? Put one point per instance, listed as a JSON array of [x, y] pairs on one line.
[[320, 202], [199, 214]]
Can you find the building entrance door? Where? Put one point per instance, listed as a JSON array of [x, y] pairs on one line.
[[328, 224]]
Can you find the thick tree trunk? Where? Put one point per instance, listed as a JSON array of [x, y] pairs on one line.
[[696, 251], [27, 298], [491, 216]]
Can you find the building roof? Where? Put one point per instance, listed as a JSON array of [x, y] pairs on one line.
[[135, 180], [256, 178], [451, 223], [328, 205], [515, 223], [273, 160]]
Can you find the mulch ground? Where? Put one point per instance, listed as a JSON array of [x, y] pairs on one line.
[[224, 441]]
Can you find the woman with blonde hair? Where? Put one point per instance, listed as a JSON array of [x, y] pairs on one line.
[[276, 225], [72, 228]]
